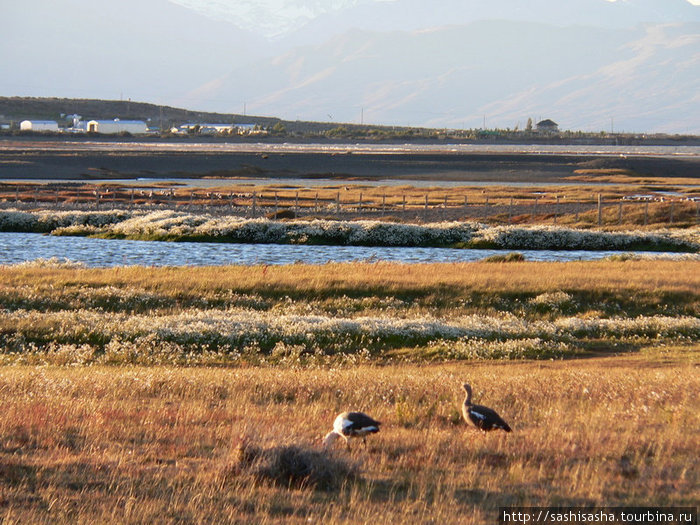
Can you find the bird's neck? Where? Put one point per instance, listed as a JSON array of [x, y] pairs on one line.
[[468, 398], [330, 438]]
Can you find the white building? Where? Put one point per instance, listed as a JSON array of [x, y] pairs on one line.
[[117, 126], [215, 129], [38, 125]]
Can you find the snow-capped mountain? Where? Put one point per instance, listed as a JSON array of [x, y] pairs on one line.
[[270, 18], [309, 21]]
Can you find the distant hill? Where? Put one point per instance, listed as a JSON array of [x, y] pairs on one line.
[[15, 109], [20, 108]]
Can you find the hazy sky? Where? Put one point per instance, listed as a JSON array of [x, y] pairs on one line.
[[275, 17], [413, 63]]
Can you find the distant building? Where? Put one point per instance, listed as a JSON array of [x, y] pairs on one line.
[[207, 129], [116, 126], [218, 129], [547, 126], [38, 125]]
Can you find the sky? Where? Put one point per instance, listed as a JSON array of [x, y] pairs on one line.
[[274, 18], [449, 63]]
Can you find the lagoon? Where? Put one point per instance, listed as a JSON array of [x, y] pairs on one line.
[[22, 247]]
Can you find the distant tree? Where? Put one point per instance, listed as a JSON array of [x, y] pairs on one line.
[[279, 129], [529, 125]]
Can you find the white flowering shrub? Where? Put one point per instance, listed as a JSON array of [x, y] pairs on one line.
[[174, 225], [556, 238], [529, 348], [234, 332], [52, 262], [552, 301], [48, 221]]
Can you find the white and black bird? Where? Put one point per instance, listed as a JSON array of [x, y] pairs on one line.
[[483, 418], [351, 425]]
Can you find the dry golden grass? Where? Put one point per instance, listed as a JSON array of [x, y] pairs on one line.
[[633, 276], [163, 445]]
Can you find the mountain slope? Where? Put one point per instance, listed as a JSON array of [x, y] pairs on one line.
[[652, 86], [452, 71]]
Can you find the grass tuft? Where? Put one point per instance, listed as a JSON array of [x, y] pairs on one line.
[[509, 257], [295, 466]]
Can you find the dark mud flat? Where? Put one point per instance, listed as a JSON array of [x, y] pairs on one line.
[[62, 162]]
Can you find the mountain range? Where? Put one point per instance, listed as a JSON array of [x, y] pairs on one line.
[[631, 65]]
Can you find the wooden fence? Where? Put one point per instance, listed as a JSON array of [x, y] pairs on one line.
[[429, 206]]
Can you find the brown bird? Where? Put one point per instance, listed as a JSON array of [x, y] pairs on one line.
[[349, 425], [483, 418]]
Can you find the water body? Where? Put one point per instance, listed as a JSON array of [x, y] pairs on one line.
[[158, 184], [368, 148], [21, 247]]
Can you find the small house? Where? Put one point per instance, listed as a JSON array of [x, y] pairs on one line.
[[38, 125], [547, 126], [117, 126]]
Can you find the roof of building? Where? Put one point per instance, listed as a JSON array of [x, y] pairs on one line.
[[118, 121], [547, 123]]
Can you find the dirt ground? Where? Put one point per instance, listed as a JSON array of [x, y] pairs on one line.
[[63, 160]]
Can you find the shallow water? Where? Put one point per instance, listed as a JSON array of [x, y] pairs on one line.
[[21, 247]]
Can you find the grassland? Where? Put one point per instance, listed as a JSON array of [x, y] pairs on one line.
[[164, 445], [262, 358], [333, 313]]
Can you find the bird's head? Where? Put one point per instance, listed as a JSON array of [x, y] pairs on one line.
[[467, 387], [329, 439]]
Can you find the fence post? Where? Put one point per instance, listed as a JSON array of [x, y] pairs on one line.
[[671, 218], [646, 212], [510, 211], [534, 214], [383, 204], [600, 209], [426, 203], [404, 203], [316, 203], [556, 209], [254, 204], [337, 203], [296, 202], [619, 214], [359, 204]]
